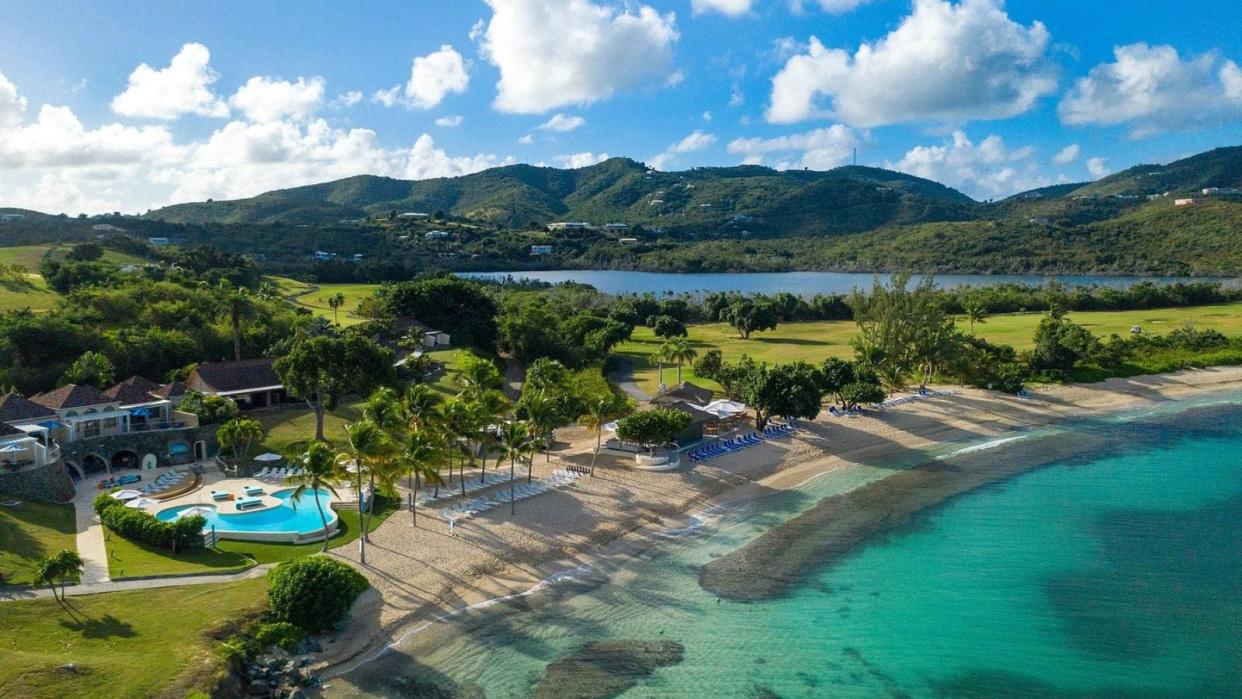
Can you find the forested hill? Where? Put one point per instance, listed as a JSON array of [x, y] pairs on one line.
[[846, 199]]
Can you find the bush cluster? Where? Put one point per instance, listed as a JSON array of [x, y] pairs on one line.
[[181, 534], [313, 593]]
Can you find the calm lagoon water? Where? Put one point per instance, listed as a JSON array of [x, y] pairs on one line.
[[802, 283], [1116, 574]]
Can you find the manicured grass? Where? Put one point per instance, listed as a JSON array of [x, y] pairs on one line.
[[124, 644], [316, 298], [289, 430], [29, 533], [31, 293], [815, 341], [127, 559], [348, 533], [29, 256]]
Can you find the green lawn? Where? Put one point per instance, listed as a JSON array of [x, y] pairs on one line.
[[127, 559], [124, 644], [815, 341], [316, 298], [30, 532]]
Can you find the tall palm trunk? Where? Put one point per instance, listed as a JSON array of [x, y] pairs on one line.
[[512, 478], [366, 515], [362, 540], [599, 439], [237, 334], [322, 518], [678, 372]]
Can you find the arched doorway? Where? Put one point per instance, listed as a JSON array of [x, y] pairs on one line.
[[75, 471], [125, 459], [92, 463]]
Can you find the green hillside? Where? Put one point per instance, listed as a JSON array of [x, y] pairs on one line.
[[1221, 167]]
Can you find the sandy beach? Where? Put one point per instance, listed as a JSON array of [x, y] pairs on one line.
[[421, 572]]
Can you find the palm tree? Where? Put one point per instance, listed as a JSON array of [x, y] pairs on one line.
[[476, 376], [422, 405], [604, 410], [385, 409], [319, 469], [335, 301], [487, 408], [56, 568], [459, 428], [976, 312], [237, 302], [420, 456], [659, 357], [542, 415], [515, 442], [678, 349], [367, 447]]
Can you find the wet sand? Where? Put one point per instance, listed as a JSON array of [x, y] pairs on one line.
[[421, 573]]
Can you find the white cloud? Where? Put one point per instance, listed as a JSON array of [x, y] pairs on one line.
[[12, 105], [348, 99], [986, 170], [57, 139], [450, 121], [836, 7], [1067, 155], [554, 53], [562, 123], [731, 8], [389, 97], [695, 141], [1154, 90], [1098, 167], [944, 63], [265, 99], [184, 87], [818, 149], [434, 76], [58, 194], [526, 139], [577, 160], [707, 116]]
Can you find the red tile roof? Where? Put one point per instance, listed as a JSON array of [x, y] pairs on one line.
[[74, 395]]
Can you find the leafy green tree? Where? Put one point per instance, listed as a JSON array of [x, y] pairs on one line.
[[320, 370], [653, 428], [976, 312], [901, 329], [1060, 345], [748, 316], [85, 252], [462, 308], [58, 568], [92, 369], [211, 410], [667, 326], [834, 375], [319, 470], [314, 592], [708, 365], [790, 390], [240, 434], [856, 394]]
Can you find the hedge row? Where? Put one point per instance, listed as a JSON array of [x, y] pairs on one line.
[[181, 534]]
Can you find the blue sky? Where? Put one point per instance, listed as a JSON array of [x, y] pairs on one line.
[[239, 98]]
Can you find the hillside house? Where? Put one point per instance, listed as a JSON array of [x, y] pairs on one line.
[[541, 250], [1185, 202], [435, 235], [251, 383], [158, 241], [569, 226], [416, 215]]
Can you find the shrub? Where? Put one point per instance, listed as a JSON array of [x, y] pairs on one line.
[[181, 534], [313, 593], [281, 634]]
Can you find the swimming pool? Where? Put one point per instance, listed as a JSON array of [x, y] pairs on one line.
[[291, 521]]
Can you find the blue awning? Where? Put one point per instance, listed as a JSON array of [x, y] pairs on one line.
[[51, 425], [141, 412]]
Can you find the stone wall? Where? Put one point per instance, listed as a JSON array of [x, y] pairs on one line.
[[47, 483], [163, 444]]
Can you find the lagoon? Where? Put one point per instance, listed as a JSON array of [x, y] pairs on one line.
[[1117, 572], [802, 283]]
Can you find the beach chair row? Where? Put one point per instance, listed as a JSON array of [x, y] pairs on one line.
[[468, 509], [729, 446], [164, 482], [913, 397], [276, 474], [449, 491]]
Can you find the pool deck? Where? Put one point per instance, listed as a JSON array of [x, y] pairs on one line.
[[90, 533]]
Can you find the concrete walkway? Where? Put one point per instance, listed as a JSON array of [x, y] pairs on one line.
[[90, 537], [624, 377], [10, 595]]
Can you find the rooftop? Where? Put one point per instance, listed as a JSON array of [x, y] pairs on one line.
[[227, 377], [134, 391], [74, 395], [14, 407]]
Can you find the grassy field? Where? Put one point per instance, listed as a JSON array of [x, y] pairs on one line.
[[315, 297], [32, 293], [127, 559], [124, 644], [815, 341], [30, 532]]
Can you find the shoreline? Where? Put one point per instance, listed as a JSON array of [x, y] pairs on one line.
[[475, 577]]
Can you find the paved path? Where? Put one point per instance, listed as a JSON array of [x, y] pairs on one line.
[[90, 537], [624, 376], [9, 595]]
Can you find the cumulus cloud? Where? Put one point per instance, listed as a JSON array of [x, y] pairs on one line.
[[526, 139], [1153, 89], [450, 121], [836, 7], [943, 63], [12, 105], [436, 75], [576, 160], [562, 123], [731, 8], [554, 53], [818, 149], [986, 170], [184, 87], [695, 141], [58, 139], [1067, 154], [270, 99], [1098, 167], [348, 99]]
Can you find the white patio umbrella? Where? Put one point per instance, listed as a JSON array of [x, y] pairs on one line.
[[124, 495], [268, 457], [141, 503], [609, 426]]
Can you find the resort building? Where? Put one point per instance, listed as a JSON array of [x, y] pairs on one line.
[[413, 215], [251, 383], [429, 338], [158, 241], [569, 226], [541, 249], [24, 433]]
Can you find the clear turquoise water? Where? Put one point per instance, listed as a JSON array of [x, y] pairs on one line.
[[292, 516], [1116, 574], [803, 283]]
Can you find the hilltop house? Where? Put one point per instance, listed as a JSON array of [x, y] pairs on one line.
[[541, 250], [429, 338], [251, 383]]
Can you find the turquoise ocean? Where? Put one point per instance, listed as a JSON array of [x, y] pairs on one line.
[[1116, 573]]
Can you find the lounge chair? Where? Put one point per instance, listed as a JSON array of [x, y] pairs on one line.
[[262, 475], [247, 503], [253, 490], [219, 495]]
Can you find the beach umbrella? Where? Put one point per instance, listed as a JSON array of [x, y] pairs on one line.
[[141, 503], [609, 426], [268, 457], [124, 495]]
